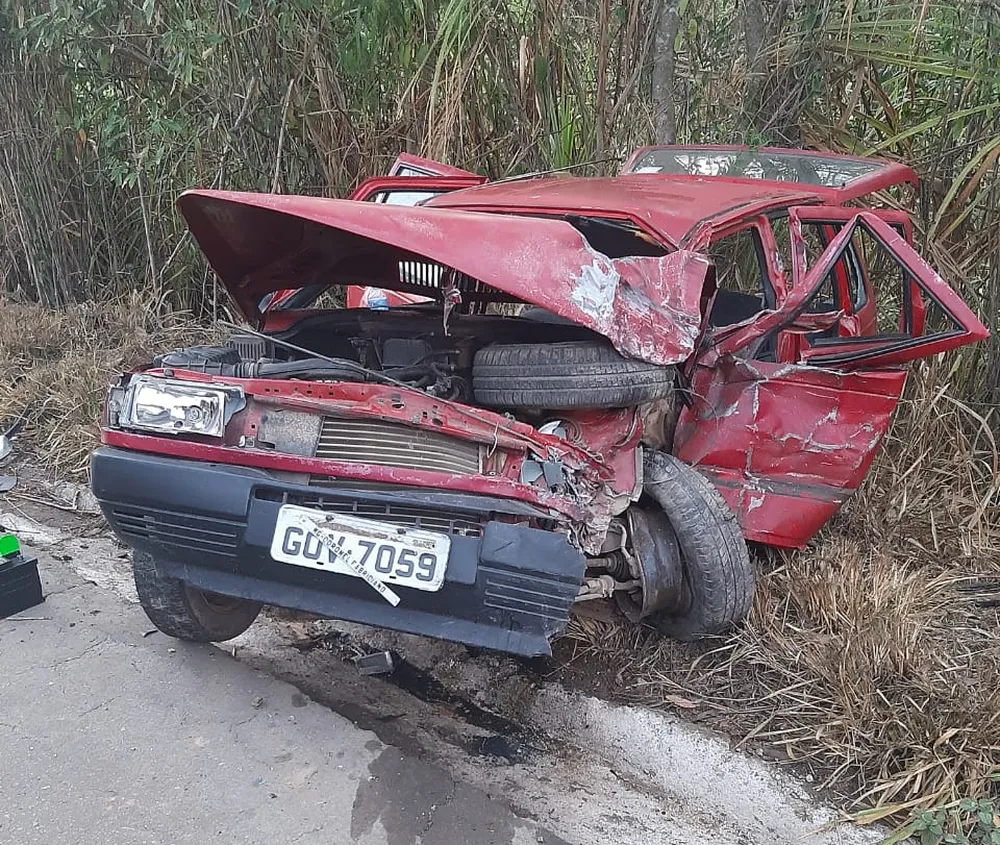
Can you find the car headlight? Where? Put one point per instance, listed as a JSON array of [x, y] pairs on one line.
[[178, 407]]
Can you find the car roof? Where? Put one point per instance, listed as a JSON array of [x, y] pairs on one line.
[[673, 206], [675, 190]]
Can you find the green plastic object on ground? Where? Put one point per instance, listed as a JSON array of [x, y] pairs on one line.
[[9, 545]]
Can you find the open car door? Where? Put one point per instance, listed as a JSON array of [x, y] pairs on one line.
[[787, 442]]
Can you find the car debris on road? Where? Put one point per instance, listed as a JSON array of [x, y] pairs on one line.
[[20, 586]]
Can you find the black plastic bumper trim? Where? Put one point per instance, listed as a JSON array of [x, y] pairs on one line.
[[510, 589]]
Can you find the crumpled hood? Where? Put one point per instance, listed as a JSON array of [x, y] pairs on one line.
[[648, 307]]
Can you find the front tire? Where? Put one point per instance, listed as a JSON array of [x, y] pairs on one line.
[[185, 612], [718, 572]]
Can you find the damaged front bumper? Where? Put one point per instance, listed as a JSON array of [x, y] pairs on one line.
[[508, 586]]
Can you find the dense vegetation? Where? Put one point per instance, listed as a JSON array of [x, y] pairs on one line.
[[113, 107]]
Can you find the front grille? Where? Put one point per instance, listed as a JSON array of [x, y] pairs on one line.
[[174, 530], [393, 445], [405, 516]]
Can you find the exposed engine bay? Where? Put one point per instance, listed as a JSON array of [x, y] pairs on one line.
[[409, 346]]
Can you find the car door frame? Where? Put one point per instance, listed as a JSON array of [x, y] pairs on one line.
[[880, 350], [876, 353]]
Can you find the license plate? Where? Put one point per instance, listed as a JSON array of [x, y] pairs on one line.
[[410, 557]]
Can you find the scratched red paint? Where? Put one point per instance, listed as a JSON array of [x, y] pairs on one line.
[[786, 436], [785, 444]]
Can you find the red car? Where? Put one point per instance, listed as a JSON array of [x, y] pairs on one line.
[[555, 390]]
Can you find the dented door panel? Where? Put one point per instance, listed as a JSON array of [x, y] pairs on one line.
[[785, 445]]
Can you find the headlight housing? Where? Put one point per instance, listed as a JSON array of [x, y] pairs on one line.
[[166, 406]]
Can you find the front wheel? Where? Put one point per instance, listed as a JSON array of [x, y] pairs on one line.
[[185, 612], [718, 574]]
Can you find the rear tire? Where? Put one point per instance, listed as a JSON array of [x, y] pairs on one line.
[[574, 374], [718, 573], [185, 612]]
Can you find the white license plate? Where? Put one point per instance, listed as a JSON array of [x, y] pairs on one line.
[[410, 557]]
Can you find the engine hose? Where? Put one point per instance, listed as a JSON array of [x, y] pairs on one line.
[[307, 368]]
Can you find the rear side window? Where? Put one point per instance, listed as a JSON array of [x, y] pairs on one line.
[[403, 197]]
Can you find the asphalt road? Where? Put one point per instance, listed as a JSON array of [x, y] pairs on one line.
[[111, 737], [113, 733]]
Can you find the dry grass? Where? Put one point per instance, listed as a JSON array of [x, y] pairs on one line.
[[873, 658], [55, 367]]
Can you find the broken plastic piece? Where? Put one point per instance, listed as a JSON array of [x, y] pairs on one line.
[[553, 472], [379, 663], [531, 471]]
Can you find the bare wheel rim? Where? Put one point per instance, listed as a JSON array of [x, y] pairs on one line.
[[213, 601]]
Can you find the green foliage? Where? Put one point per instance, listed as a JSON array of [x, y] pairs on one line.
[[115, 106], [969, 821]]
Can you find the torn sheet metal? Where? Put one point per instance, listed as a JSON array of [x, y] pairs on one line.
[[649, 307], [785, 445]]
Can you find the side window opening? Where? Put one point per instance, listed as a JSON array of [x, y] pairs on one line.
[[403, 197], [744, 288], [905, 311], [846, 273], [893, 288]]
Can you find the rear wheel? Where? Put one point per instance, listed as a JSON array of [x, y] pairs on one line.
[[575, 374], [718, 574], [186, 612]]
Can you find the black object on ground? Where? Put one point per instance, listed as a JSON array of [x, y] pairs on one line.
[[20, 587], [379, 663]]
